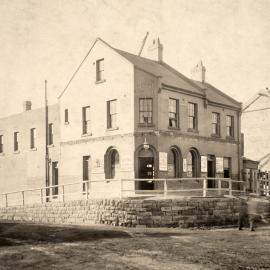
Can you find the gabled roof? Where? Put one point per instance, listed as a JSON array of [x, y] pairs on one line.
[[168, 76]]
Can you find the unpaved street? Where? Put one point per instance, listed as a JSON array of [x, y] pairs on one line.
[[100, 247]]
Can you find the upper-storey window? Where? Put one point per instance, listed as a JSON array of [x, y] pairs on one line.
[[1, 144], [192, 116], [111, 114], [66, 116], [146, 110], [50, 134], [215, 123], [86, 120], [100, 70], [16, 141], [229, 126], [173, 113], [33, 134]]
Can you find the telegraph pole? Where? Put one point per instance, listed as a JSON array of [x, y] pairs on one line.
[[47, 181]]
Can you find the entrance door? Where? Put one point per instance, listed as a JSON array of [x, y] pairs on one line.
[[211, 171], [55, 179], [146, 171]]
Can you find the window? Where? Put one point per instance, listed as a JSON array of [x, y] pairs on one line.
[[86, 120], [229, 126], [50, 134], [86, 171], [173, 113], [227, 167], [111, 114], [1, 144], [66, 116], [192, 116], [146, 110], [173, 163], [32, 138], [193, 164], [100, 70], [215, 123], [16, 141], [111, 163]]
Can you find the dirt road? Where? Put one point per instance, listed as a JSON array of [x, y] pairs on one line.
[[100, 247]]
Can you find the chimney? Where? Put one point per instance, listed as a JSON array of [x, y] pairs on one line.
[[27, 105], [198, 72], [155, 50]]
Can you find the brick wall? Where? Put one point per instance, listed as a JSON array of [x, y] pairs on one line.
[[186, 212]]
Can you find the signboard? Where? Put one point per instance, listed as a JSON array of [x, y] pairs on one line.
[[204, 164], [219, 165], [163, 163], [184, 165]]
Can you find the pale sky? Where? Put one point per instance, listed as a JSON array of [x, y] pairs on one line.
[[48, 39]]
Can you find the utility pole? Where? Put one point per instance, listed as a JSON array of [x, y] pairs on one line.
[[47, 177], [143, 43]]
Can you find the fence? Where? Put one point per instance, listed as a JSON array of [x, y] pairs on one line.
[[121, 188]]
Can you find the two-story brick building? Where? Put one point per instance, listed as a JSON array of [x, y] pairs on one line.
[[122, 115]]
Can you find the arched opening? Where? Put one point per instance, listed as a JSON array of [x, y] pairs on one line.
[[193, 163], [174, 161], [111, 163], [146, 168]]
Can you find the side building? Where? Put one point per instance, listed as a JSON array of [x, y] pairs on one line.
[[124, 116]]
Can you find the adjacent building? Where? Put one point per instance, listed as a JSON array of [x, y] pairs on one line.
[[125, 116]]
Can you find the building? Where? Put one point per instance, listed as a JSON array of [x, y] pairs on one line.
[[125, 116]]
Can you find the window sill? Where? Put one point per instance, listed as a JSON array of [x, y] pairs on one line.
[[50, 145], [113, 128], [86, 134], [16, 152], [174, 128], [215, 136], [66, 123], [193, 130], [100, 81], [145, 125], [33, 149]]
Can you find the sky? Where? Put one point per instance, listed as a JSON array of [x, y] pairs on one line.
[[46, 40]]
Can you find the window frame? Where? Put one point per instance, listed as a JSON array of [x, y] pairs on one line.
[[1, 143], [16, 141], [66, 116], [175, 113], [111, 124], [146, 110], [86, 123], [230, 128], [192, 117], [215, 126], [33, 136], [100, 70]]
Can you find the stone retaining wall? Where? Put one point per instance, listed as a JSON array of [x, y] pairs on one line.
[[185, 212]]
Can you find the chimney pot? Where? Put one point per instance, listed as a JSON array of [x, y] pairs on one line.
[[27, 105]]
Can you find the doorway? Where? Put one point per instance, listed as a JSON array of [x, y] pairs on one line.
[[55, 179], [146, 171], [211, 171]]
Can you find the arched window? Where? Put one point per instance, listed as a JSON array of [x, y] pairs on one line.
[[193, 163], [174, 158], [111, 163]]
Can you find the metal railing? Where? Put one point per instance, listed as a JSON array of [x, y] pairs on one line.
[[122, 188]]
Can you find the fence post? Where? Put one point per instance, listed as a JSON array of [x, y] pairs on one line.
[[63, 193], [204, 187], [230, 187], [165, 188], [23, 198], [219, 186], [6, 200]]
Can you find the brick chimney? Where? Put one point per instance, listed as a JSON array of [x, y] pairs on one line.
[[198, 72], [155, 50], [27, 105]]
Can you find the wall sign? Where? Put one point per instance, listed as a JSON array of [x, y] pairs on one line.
[[219, 165], [163, 162], [204, 164]]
